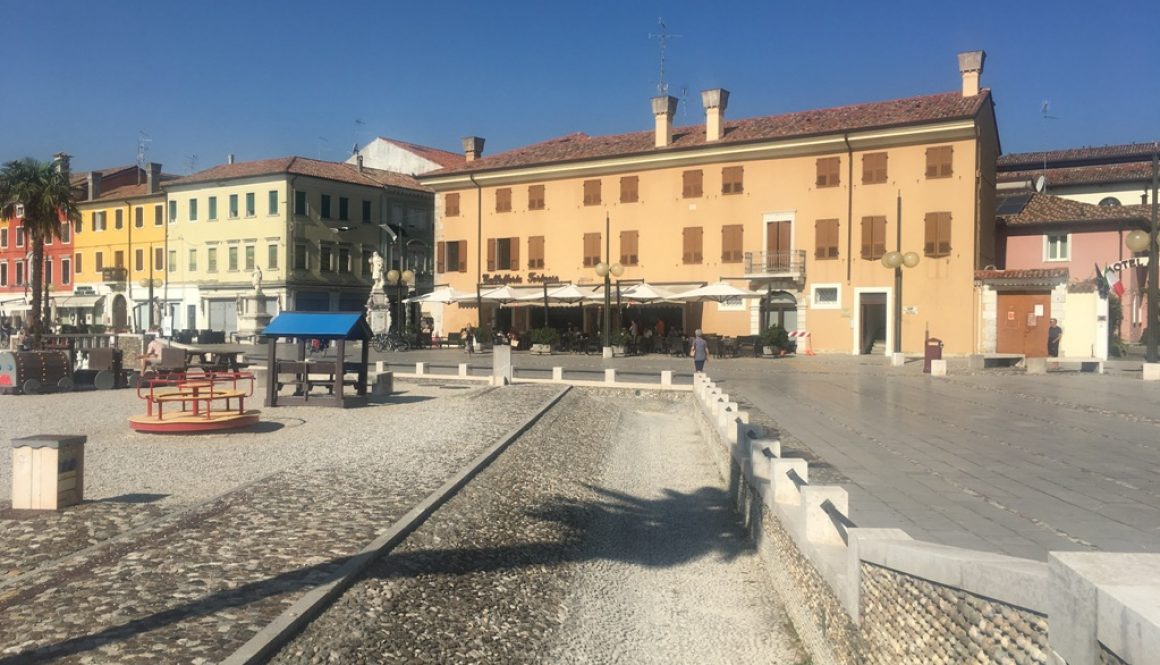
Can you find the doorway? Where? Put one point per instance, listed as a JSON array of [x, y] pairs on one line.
[[780, 310], [120, 313], [778, 246], [871, 323], [1024, 318]]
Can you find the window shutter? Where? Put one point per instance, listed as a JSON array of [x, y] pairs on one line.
[[945, 169], [686, 251], [821, 239], [491, 254], [944, 234], [514, 244], [867, 237], [930, 235], [462, 256], [879, 237], [440, 256]]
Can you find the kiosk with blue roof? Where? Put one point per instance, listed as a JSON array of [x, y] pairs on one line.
[[332, 376]]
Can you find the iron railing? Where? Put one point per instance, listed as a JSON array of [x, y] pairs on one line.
[[791, 263]]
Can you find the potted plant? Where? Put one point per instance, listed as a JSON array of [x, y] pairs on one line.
[[774, 341], [618, 339], [543, 339]]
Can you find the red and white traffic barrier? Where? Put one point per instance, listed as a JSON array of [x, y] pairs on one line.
[[803, 335]]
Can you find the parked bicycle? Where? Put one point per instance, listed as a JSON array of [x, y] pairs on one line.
[[390, 342]]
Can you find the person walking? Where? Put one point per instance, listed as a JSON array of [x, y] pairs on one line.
[[1054, 335], [700, 351]]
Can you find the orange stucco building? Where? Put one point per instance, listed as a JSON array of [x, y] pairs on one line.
[[800, 206]]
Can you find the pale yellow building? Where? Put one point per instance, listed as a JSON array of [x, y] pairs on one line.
[[800, 206]]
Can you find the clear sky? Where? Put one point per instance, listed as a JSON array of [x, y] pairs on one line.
[[266, 79]]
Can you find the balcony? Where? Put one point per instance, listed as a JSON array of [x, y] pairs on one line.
[[788, 264], [113, 275]]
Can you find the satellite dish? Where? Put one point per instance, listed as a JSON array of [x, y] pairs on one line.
[[1040, 183]]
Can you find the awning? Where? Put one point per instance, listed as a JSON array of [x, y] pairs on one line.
[[14, 305], [78, 302]]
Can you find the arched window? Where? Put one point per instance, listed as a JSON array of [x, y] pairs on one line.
[[1109, 202]]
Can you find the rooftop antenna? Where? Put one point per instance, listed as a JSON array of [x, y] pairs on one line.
[[143, 142], [683, 103], [321, 140], [663, 37], [191, 163], [1041, 181], [358, 126]]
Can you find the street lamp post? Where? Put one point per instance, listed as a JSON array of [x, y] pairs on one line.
[[1139, 241], [896, 260], [607, 270], [400, 280]]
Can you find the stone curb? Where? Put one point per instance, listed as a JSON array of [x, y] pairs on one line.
[[279, 631]]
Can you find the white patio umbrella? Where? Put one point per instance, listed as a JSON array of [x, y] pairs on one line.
[[646, 293], [567, 293], [443, 294], [716, 292]]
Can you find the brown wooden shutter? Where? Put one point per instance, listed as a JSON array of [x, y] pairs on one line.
[[944, 234], [732, 179], [514, 249], [879, 237], [440, 256], [491, 254], [821, 238], [462, 256], [945, 167], [930, 236], [867, 237], [451, 205]]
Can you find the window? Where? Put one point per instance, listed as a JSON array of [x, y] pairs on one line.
[[366, 211], [99, 261], [873, 237], [65, 271], [172, 212], [77, 263], [3, 273], [119, 259], [826, 239], [732, 236], [451, 256], [324, 264], [19, 273], [874, 168], [344, 260], [591, 192], [591, 249], [939, 162], [451, 205], [19, 236], [192, 260], [535, 197], [503, 199], [693, 242], [1057, 247], [48, 271], [829, 169], [250, 260], [99, 220], [3, 237], [536, 252], [732, 180], [272, 256], [301, 261], [159, 258], [826, 296], [232, 258], [66, 232], [325, 206], [251, 205], [343, 209], [629, 248], [629, 189], [272, 202], [691, 184], [211, 259], [193, 210], [299, 203], [119, 219], [173, 260], [233, 206], [938, 234], [158, 215], [503, 254], [139, 260]]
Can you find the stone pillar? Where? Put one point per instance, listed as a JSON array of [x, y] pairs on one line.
[[501, 363], [557, 373]]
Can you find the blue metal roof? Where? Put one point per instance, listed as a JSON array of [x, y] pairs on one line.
[[319, 325]]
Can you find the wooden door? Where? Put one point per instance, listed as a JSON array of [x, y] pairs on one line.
[[1023, 322], [777, 246]]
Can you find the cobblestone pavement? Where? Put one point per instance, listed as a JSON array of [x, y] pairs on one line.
[[198, 581], [619, 548]]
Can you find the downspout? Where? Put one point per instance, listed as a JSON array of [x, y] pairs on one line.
[[478, 246], [976, 314], [290, 242], [129, 258], [849, 208]]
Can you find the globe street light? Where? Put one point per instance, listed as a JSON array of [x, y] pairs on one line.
[[607, 272], [399, 280], [896, 260]]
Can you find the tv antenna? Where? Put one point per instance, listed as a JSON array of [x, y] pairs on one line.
[[358, 127], [143, 141], [191, 163], [1045, 110], [663, 37]]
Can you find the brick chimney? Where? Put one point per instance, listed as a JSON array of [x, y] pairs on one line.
[[94, 185], [715, 102], [153, 177], [358, 160], [230, 158], [472, 148], [971, 67], [664, 108], [61, 161]]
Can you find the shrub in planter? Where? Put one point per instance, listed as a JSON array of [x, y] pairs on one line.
[[776, 338], [618, 338], [545, 336]]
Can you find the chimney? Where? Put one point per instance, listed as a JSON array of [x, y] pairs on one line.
[[61, 161], [94, 185], [358, 161], [472, 148], [153, 177], [664, 108], [230, 158], [971, 67], [715, 102]]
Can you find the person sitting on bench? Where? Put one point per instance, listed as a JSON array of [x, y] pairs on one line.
[[152, 352]]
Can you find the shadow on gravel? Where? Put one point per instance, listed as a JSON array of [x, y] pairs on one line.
[[397, 399], [134, 498]]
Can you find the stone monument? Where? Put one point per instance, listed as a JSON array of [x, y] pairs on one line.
[[378, 307], [253, 315]]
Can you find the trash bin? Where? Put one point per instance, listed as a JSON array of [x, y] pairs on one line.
[[933, 351], [48, 471]]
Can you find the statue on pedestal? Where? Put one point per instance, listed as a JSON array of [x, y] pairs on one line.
[[256, 280], [377, 273]]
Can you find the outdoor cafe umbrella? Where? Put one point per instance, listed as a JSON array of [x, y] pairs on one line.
[[443, 294], [646, 293], [716, 292], [566, 293]]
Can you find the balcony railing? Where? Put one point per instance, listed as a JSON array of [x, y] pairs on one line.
[[114, 274], [791, 263]]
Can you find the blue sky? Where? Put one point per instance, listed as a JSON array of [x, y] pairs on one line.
[[266, 79]]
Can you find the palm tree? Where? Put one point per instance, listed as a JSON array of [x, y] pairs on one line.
[[43, 190]]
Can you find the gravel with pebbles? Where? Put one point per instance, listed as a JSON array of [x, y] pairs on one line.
[[603, 535], [184, 577]]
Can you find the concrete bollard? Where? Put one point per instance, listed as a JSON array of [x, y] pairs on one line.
[[897, 360], [384, 383], [938, 368], [380, 366], [772, 443], [1036, 365], [726, 416], [610, 376], [557, 373], [462, 369], [667, 377], [607, 353], [819, 527], [48, 471], [976, 361], [784, 490], [420, 369], [1151, 372]]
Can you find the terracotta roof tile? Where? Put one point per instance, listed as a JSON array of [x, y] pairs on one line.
[[579, 146], [443, 158], [1083, 175], [1022, 160], [1048, 209], [77, 178], [338, 171]]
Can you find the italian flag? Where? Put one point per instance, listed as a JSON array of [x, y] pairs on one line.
[[1113, 281]]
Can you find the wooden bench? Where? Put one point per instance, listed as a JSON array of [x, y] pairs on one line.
[[329, 371]]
